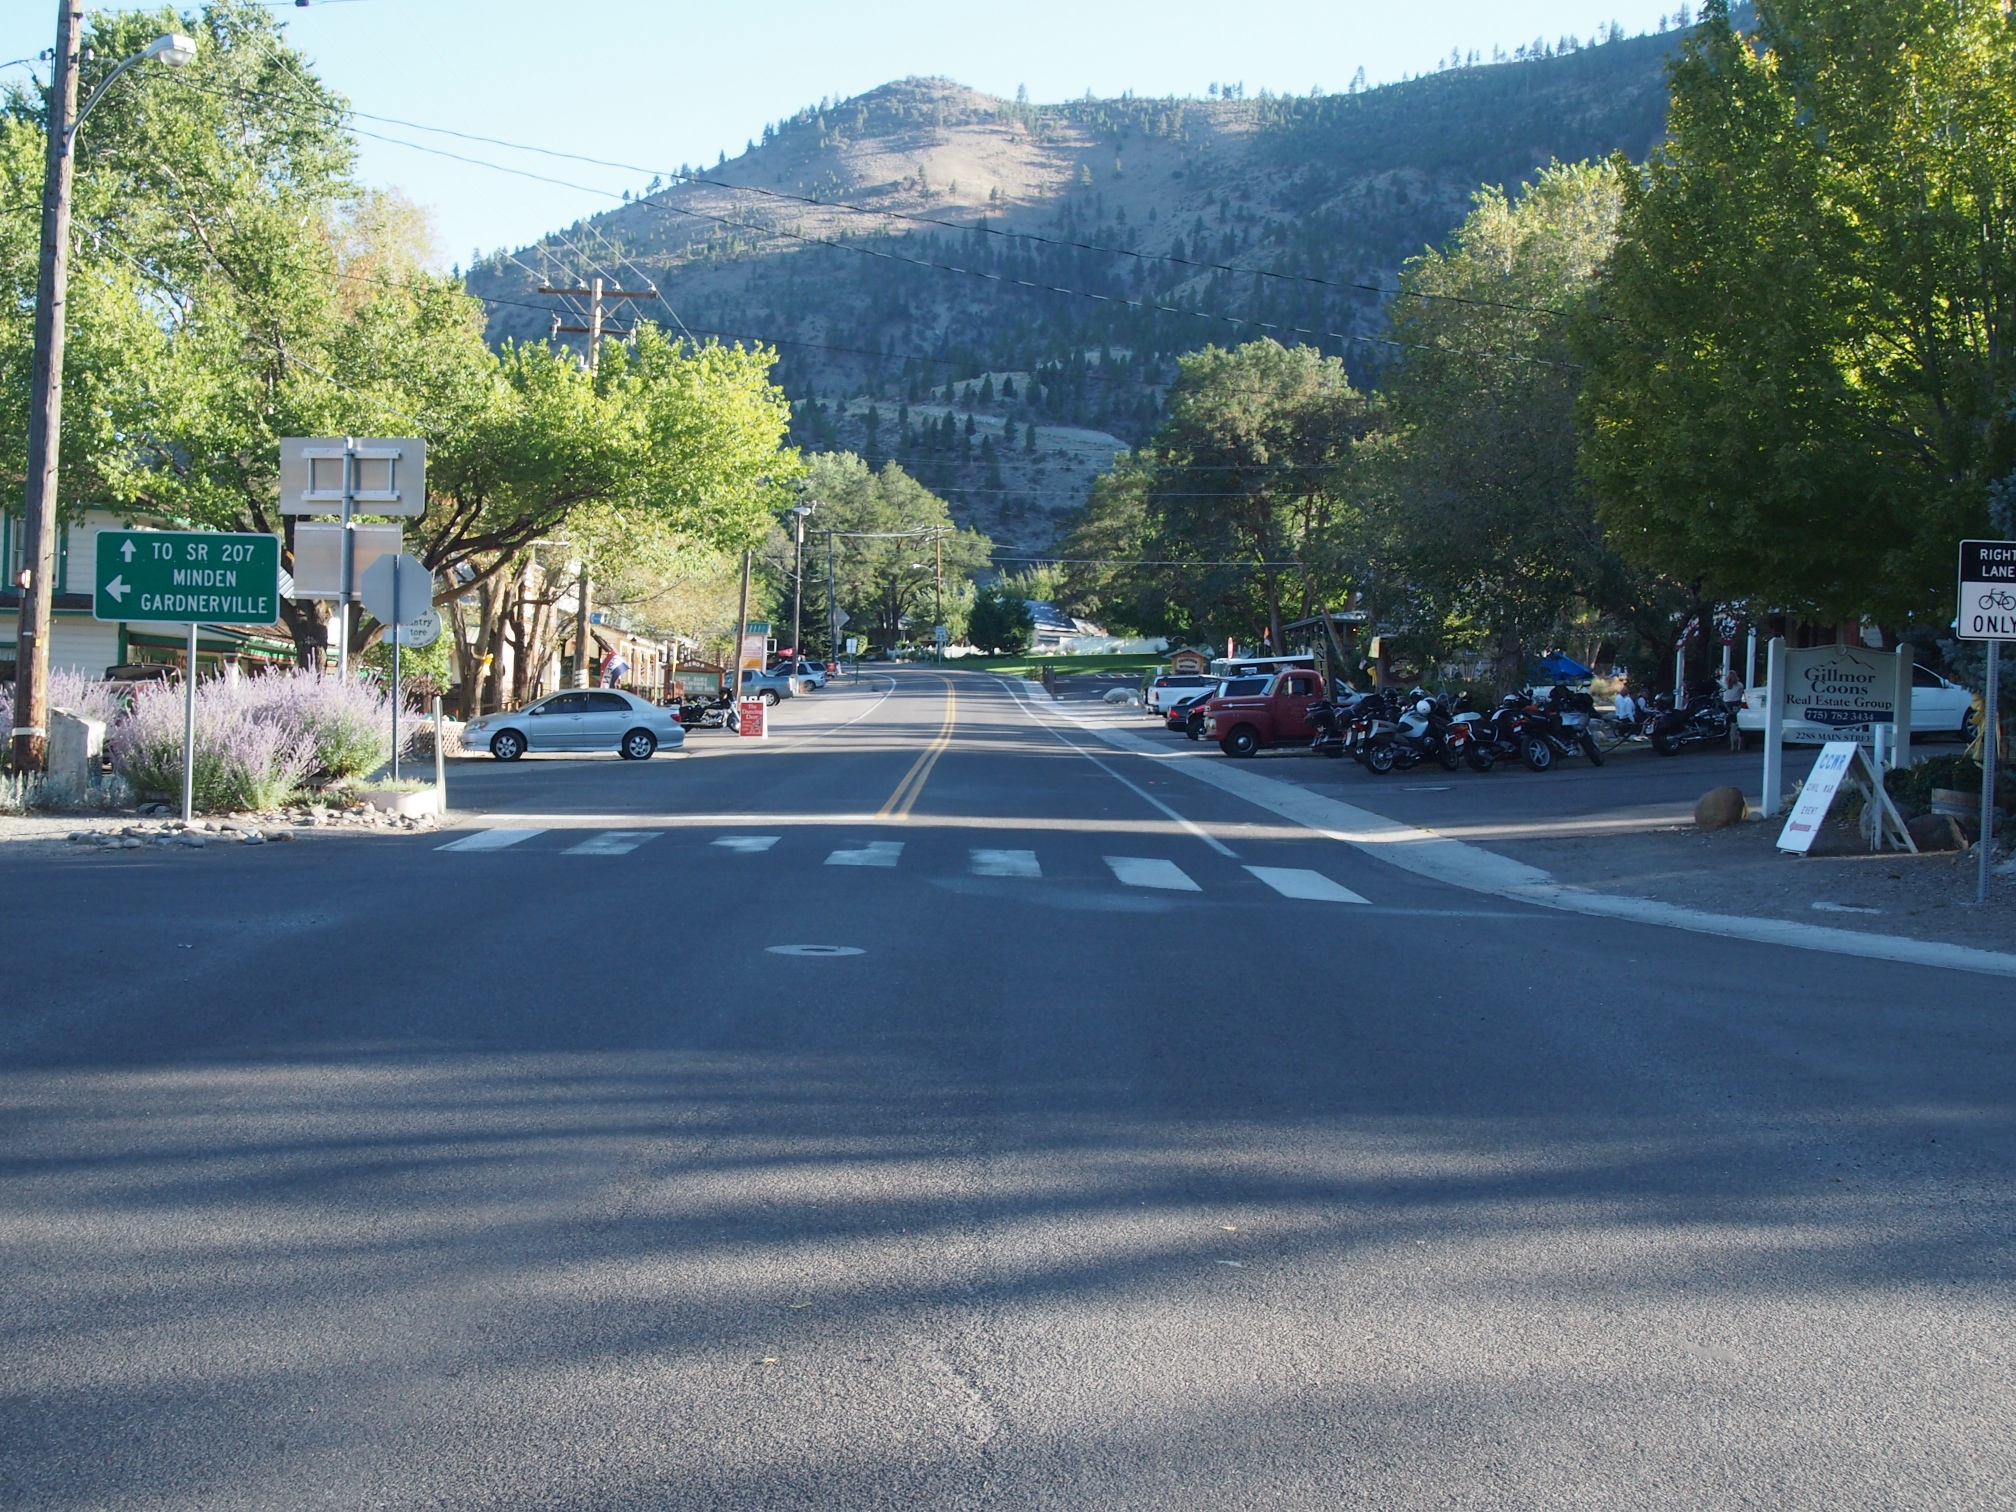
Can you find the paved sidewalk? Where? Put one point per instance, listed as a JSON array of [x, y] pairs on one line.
[[1640, 860]]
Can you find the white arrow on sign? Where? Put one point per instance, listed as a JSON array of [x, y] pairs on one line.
[[126, 551], [119, 587]]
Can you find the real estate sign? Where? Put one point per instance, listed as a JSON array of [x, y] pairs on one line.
[[1843, 687], [186, 577]]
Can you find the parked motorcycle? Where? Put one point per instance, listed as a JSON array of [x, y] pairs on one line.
[[1563, 722], [1704, 717], [1419, 733], [1336, 722]]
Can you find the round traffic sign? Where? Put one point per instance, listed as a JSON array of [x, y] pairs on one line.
[[422, 630]]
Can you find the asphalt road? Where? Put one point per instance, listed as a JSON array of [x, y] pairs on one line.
[[367, 1173]]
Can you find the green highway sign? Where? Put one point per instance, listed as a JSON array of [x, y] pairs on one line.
[[187, 576]]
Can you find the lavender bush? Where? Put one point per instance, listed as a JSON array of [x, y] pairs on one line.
[[347, 725], [91, 697], [243, 759]]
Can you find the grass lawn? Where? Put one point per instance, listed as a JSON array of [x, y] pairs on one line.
[[1067, 666]]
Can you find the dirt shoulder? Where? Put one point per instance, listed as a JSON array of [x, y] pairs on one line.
[[1741, 871]]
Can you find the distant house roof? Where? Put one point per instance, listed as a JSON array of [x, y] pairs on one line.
[[1048, 620]]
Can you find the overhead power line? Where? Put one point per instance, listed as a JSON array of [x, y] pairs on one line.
[[1201, 265], [1008, 280]]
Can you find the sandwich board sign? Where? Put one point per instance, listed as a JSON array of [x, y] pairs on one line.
[[1839, 762], [177, 577]]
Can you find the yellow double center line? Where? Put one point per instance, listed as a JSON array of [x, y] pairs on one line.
[[905, 797]]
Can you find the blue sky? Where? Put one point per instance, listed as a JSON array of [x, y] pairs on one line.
[[661, 83]]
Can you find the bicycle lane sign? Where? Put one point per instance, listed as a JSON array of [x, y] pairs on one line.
[[1987, 591]]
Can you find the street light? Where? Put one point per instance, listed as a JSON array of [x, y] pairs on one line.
[[29, 733]]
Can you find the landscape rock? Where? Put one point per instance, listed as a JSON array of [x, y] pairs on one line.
[[1721, 807]]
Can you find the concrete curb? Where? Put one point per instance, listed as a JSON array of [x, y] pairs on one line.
[[1475, 869]]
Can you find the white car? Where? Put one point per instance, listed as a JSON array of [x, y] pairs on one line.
[[1939, 706], [582, 719]]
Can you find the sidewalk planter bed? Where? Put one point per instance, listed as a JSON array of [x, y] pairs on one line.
[[407, 803], [259, 740]]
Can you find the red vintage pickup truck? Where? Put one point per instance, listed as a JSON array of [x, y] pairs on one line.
[[1277, 715]]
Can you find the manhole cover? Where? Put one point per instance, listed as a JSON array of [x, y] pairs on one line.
[[814, 950]]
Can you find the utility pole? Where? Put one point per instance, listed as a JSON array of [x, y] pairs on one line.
[[832, 608], [594, 330], [28, 736], [798, 514], [741, 626], [29, 732], [938, 594]]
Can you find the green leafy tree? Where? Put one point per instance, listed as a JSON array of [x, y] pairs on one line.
[[234, 285], [1799, 389], [1480, 532], [888, 530], [1245, 478], [1001, 620]]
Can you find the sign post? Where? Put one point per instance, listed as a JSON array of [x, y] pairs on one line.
[[1988, 613], [153, 577], [347, 475], [1774, 725], [395, 589]]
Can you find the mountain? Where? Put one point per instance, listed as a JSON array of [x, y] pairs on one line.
[[861, 236]]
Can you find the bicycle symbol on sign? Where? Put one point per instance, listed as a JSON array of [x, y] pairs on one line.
[[1995, 598]]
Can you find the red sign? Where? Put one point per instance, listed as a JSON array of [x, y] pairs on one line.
[[749, 717]]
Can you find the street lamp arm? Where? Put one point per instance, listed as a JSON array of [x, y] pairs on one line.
[[171, 48]]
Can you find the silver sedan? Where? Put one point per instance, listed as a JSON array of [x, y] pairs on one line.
[[592, 719]]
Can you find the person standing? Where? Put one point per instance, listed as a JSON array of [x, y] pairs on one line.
[[1733, 693]]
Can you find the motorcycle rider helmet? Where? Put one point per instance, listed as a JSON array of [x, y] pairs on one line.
[[1425, 707]]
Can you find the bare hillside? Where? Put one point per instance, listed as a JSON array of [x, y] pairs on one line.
[[943, 271]]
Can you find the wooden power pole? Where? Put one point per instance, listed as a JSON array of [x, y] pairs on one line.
[[594, 330], [29, 733]]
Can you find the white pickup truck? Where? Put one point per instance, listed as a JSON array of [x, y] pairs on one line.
[[1939, 706], [1174, 686]]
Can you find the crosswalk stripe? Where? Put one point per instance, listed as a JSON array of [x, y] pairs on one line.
[[1149, 871], [874, 853], [612, 843], [1005, 863], [490, 839], [1294, 882], [746, 845]]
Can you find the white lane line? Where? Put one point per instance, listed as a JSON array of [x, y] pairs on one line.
[[1297, 882], [746, 845], [1005, 863], [1209, 839], [491, 839], [1150, 871], [1471, 867], [612, 843], [874, 853]]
